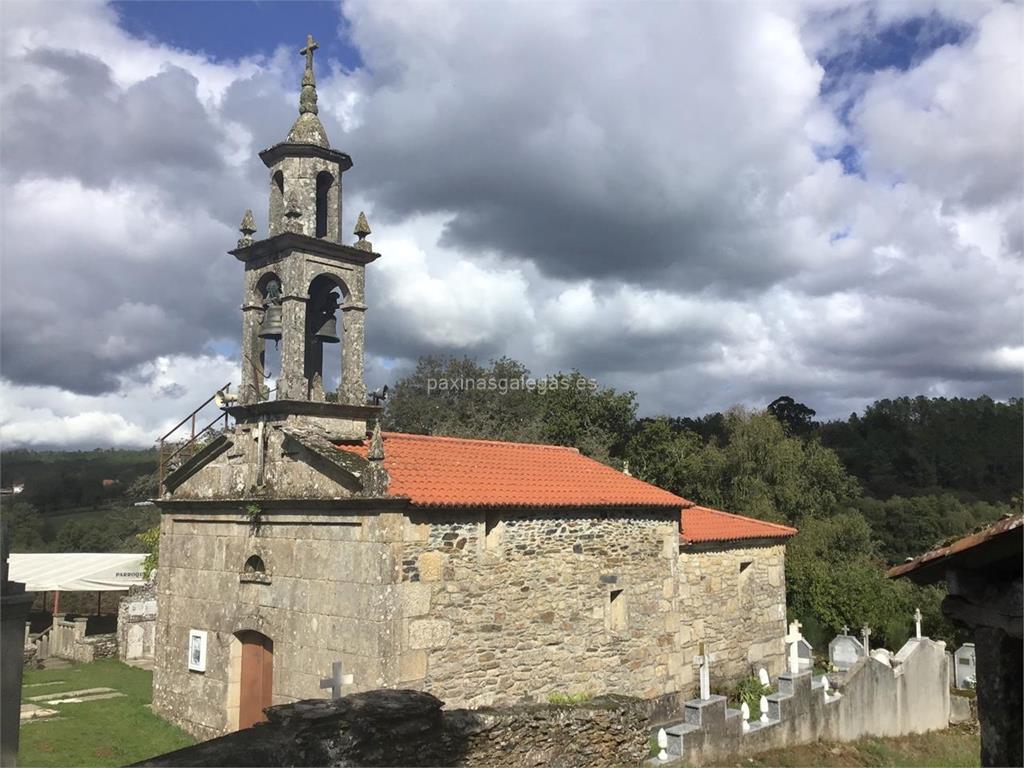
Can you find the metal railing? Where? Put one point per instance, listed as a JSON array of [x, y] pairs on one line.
[[174, 451]]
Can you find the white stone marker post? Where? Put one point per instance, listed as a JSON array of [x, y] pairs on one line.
[[662, 745], [763, 704], [745, 716], [793, 638], [762, 676], [704, 659], [865, 633], [917, 622]]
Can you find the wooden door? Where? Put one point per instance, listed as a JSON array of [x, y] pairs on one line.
[[257, 678]]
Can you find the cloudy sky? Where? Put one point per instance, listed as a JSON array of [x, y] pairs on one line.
[[709, 203]]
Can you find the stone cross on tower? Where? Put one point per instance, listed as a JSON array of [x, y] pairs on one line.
[[865, 634], [336, 680], [917, 623], [307, 97], [704, 659], [792, 640]]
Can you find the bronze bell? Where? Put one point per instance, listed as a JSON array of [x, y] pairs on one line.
[[270, 327], [328, 333]]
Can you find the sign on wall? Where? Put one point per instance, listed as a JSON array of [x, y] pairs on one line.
[[197, 650]]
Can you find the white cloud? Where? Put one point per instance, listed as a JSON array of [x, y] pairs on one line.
[[643, 192]]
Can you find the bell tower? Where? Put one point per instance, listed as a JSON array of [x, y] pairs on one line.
[[304, 290]]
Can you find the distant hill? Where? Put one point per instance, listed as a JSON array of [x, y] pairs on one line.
[[78, 501]]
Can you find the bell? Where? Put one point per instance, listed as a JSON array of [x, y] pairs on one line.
[[270, 327], [328, 333]]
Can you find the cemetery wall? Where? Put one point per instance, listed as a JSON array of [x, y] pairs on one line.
[[410, 728], [874, 698], [735, 599], [322, 598], [520, 605]]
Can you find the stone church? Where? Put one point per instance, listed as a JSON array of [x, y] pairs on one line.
[[305, 553]]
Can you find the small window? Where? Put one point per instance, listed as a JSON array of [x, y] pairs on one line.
[[745, 564], [254, 571], [324, 182], [617, 615]]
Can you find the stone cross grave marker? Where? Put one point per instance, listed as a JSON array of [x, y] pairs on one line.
[[844, 650], [792, 640], [336, 680], [865, 636], [917, 623], [704, 659]]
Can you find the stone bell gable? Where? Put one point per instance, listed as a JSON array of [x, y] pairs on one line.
[[284, 458]]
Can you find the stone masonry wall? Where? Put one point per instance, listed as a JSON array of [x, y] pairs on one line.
[[323, 601], [410, 728], [735, 600], [518, 606]]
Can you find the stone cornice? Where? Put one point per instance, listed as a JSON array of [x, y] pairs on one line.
[[286, 242], [272, 155]]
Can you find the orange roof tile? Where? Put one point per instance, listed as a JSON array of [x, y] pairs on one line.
[[458, 472], [700, 524]]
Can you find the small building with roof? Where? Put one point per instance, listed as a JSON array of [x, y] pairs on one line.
[[982, 573], [305, 553]]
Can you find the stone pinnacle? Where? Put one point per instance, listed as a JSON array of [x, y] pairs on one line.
[[362, 226]]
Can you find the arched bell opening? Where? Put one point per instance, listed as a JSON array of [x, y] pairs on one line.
[[270, 329], [324, 182], [276, 202], [323, 337]]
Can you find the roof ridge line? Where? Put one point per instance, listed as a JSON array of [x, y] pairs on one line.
[[478, 440], [745, 517]]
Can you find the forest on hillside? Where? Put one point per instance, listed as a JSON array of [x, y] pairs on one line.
[[865, 492]]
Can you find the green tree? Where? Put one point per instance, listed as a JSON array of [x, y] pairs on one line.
[[834, 577], [796, 418], [758, 470], [459, 398], [25, 526]]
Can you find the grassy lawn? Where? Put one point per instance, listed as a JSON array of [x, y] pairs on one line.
[[955, 747], [110, 732]]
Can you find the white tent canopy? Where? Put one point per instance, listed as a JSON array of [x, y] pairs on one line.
[[78, 571]]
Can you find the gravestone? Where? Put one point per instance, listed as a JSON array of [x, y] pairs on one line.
[[805, 655], [844, 651], [963, 663], [136, 642]]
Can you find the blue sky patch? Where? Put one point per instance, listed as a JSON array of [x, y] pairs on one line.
[[897, 46], [230, 30]]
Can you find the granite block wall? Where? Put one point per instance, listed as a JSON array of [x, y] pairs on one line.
[[500, 607]]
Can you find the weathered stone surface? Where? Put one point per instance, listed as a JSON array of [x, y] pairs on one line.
[[742, 613], [429, 633], [410, 728]]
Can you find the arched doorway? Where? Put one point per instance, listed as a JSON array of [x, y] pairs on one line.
[[256, 681]]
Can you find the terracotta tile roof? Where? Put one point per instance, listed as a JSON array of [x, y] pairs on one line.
[[457, 472], [700, 524]]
